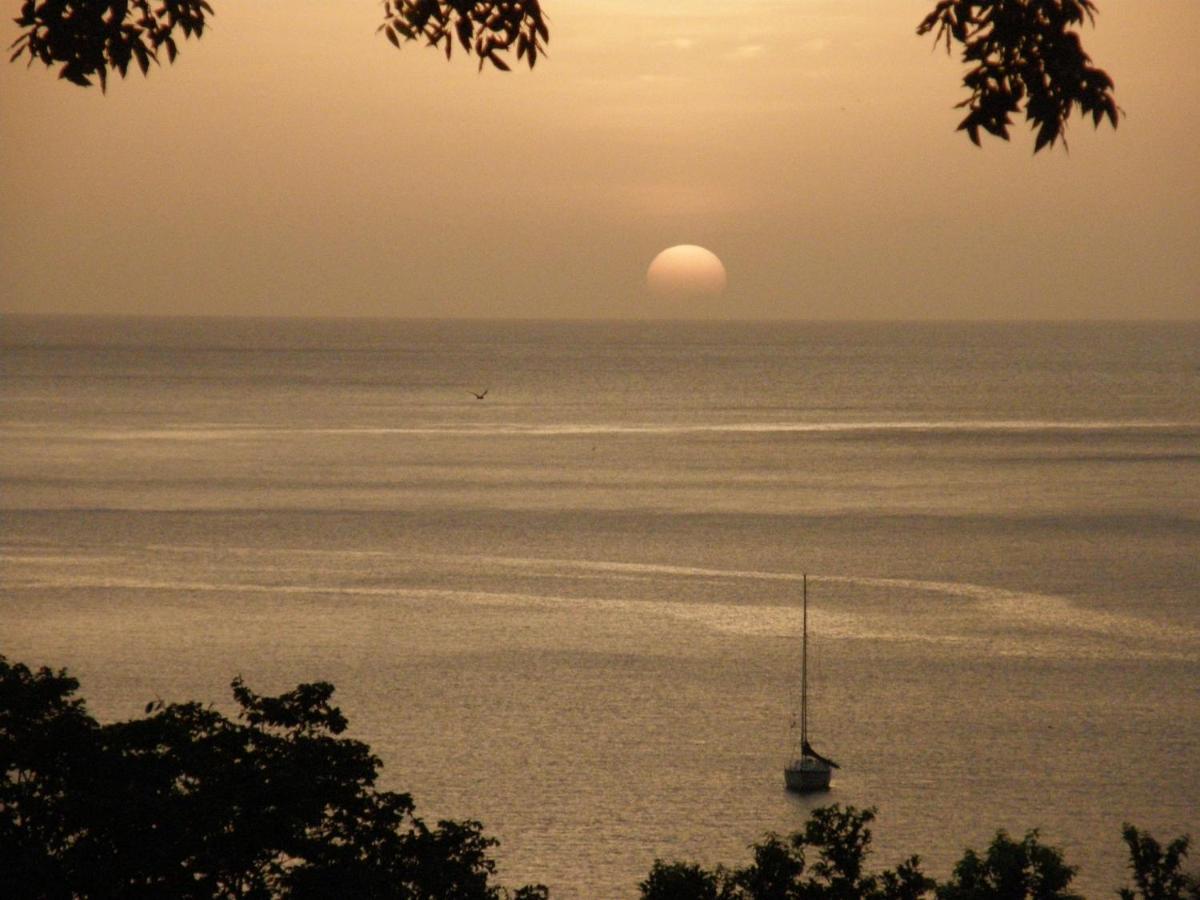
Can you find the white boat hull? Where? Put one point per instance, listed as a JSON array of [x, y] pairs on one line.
[[807, 774]]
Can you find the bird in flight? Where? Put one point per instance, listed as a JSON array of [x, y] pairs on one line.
[[478, 396]]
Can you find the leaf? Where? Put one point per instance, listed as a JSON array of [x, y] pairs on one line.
[[971, 127], [1046, 135], [74, 76], [465, 32], [149, 706], [143, 58], [391, 36], [499, 63]]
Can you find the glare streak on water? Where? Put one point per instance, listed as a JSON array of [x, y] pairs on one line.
[[1007, 608], [243, 431]]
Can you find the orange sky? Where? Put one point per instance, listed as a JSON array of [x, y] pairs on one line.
[[293, 163]]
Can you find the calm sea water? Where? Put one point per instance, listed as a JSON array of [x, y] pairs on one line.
[[571, 610]]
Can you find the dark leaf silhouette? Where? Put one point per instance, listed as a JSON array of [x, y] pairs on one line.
[[274, 804], [1011, 870], [487, 28], [1023, 54], [837, 839], [189, 803], [87, 38], [1158, 872]]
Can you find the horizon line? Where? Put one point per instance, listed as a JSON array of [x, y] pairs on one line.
[[708, 320]]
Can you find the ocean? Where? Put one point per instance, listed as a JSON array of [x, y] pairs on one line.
[[571, 610]]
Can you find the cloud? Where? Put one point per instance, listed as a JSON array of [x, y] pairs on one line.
[[746, 51]]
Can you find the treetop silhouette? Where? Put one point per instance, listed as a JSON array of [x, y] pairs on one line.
[[187, 803], [1022, 54], [274, 804]]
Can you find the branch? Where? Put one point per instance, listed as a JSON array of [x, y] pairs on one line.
[[489, 28], [87, 39], [90, 37], [1024, 54]]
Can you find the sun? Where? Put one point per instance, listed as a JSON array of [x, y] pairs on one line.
[[686, 270]]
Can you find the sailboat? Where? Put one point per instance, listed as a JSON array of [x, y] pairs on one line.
[[808, 770]]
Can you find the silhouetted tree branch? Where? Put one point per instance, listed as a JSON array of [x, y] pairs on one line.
[[1011, 870], [187, 803], [837, 837], [826, 861], [1023, 53], [488, 28], [89, 38], [1157, 872]]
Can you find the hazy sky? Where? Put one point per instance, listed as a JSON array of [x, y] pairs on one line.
[[292, 162]]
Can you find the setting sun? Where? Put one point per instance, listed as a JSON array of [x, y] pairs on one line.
[[686, 270]]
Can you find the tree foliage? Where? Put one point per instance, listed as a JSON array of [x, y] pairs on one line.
[[1023, 53], [188, 803], [826, 860], [1157, 871], [1011, 870], [87, 39], [487, 29], [685, 881]]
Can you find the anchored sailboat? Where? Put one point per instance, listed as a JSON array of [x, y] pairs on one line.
[[808, 770]]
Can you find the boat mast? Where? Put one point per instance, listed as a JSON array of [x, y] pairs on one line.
[[804, 674]]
